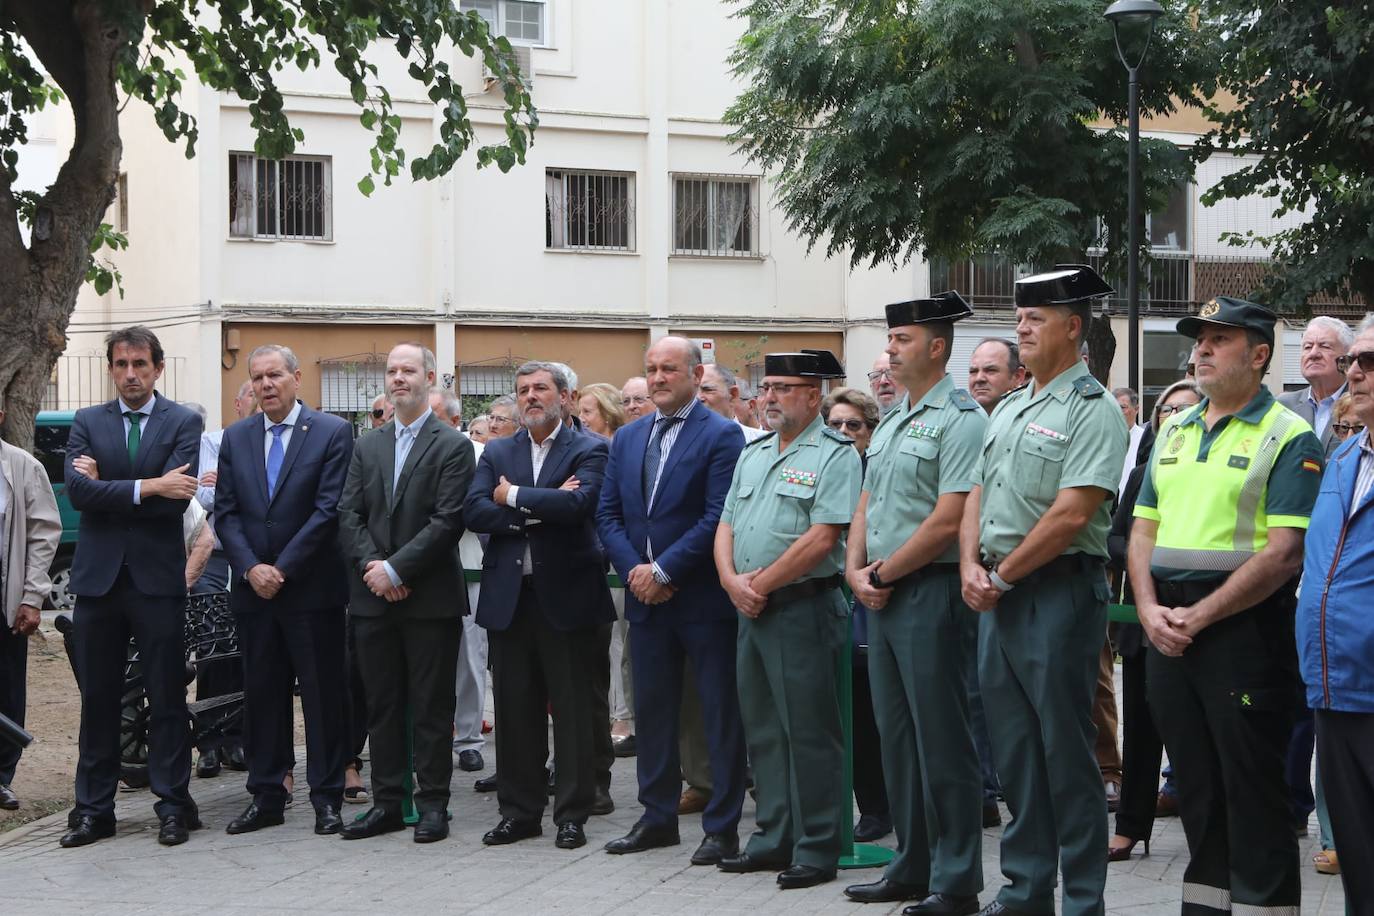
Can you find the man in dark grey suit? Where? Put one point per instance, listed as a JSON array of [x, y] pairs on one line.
[[1324, 339], [400, 520]]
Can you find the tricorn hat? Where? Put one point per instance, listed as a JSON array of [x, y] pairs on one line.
[[1066, 284], [946, 306], [806, 364]]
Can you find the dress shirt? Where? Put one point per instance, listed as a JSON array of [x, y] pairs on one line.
[[1321, 410], [750, 432], [4, 511], [290, 421], [209, 461], [539, 451], [406, 434], [1365, 478], [147, 411], [665, 446]]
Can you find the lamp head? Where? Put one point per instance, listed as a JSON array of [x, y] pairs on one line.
[[1124, 12]]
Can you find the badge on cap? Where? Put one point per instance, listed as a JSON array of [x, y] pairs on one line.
[[1209, 309]]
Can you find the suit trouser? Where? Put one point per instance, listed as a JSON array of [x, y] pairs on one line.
[[14, 662], [1105, 716], [691, 738], [280, 649], [603, 751], [1225, 709], [408, 666], [916, 660], [357, 697], [535, 667], [789, 703], [660, 645], [1345, 760], [218, 677], [1142, 753], [1038, 664], [978, 726], [102, 627], [471, 686]]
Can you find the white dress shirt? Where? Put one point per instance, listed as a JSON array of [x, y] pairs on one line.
[[147, 411], [290, 420], [539, 452], [665, 446]]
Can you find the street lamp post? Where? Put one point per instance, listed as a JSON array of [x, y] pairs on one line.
[[1120, 13]]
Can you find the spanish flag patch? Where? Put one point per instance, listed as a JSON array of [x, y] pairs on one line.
[[1309, 465]]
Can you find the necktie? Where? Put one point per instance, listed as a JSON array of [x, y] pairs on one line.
[[134, 435], [403, 443], [654, 456], [275, 454]]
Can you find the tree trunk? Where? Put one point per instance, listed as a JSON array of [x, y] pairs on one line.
[[1101, 349]]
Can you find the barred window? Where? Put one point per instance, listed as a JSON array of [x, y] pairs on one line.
[[715, 216], [521, 21], [348, 386], [280, 198], [592, 211]]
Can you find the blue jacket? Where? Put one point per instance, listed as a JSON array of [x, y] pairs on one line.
[[1335, 627]]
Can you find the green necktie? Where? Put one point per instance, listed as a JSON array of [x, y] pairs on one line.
[[134, 437]]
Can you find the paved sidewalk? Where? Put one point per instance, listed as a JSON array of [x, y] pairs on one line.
[[290, 870]]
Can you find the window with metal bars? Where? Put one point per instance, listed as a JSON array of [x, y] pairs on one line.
[[715, 216], [521, 21], [591, 211], [280, 198]]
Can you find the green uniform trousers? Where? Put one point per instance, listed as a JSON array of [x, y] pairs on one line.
[[785, 668], [1038, 660], [918, 658]]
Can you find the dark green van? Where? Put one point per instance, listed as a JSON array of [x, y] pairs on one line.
[[51, 428]]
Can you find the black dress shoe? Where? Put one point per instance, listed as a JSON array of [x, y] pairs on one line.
[[375, 822], [485, 784], [997, 909], [471, 761], [885, 891], [327, 820], [176, 828], [624, 747], [799, 876], [233, 759], [944, 905], [84, 830], [8, 800], [992, 815], [644, 836], [715, 847], [602, 803], [744, 863], [871, 827], [570, 836], [432, 827], [208, 765], [512, 831], [255, 817]]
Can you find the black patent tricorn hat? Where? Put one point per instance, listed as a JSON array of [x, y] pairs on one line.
[[803, 364], [946, 306], [1066, 284]]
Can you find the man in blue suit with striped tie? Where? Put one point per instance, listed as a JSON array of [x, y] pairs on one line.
[[661, 501]]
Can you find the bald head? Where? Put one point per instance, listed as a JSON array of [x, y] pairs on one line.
[[673, 370], [634, 397]]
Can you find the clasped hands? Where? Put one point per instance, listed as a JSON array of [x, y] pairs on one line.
[[645, 587], [379, 583], [740, 588], [1171, 629], [875, 599]]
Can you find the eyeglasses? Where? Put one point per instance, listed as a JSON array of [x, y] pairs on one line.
[[1165, 410], [1347, 429], [377, 413], [1364, 360], [637, 399], [782, 387], [851, 424], [498, 420], [879, 373]]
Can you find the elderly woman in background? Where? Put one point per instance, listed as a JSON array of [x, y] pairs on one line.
[[599, 409], [853, 413], [479, 430]]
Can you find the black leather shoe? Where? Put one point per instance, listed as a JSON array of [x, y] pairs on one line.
[[884, 891], [744, 863], [432, 827], [255, 817], [8, 800], [944, 905], [471, 761], [602, 804], [234, 760], [208, 765], [512, 831], [570, 836], [624, 747], [485, 784], [85, 830], [375, 822], [871, 827], [644, 836], [799, 876], [327, 820], [715, 847], [992, 815], [997, 909], [176, 828]]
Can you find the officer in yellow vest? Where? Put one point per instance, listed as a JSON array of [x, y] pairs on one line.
[[903, 564], [1032, 550], [780, 552], [1214, 557]]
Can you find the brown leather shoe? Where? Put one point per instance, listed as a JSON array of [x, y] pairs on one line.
[[693, 801], [1166, 805]]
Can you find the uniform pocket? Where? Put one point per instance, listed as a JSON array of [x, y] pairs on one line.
[[794, 507], [1044, 458]]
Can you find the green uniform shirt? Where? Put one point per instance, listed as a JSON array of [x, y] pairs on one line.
[[775, 497], [918, 454], [1043, 439], [1216, 492]]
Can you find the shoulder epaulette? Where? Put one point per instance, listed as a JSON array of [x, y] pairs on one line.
[[837, 436], [963, 400], [764, 438], [1088, 387]]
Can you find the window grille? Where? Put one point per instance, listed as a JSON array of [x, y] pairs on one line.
[[280, 198], [715, 216], [350, 386], [521, 21], [592, 211]]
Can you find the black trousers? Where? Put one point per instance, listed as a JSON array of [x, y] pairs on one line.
[[14, 662], [279, 650], [1226, 709], [1345, 760], [408, 667], [357, 698], [870, 793], [600, 683], [102, 627], [533, 667], [1142, 752]]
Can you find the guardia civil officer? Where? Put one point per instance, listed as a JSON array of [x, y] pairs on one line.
[[1031, 553], [903, 564], [1214, 559], [780, 551]]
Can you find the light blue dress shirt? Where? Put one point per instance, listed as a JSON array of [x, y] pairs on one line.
[[405, 439]]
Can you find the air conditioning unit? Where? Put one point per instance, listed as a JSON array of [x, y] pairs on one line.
[[524, 60]]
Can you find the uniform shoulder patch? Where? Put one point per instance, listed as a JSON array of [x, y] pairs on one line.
[[963, 400], [764, 438], [1088, 387], [837, 436]]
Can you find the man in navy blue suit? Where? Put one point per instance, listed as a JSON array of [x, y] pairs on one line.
[[665, 486], [130, 471], [281, 473], [545, 606]]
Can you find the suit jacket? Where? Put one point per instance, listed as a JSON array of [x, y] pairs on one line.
[[113, 530], [417, 529], [569, 571], [686, 511], [1297, 402], [297, 530], [32, 530]]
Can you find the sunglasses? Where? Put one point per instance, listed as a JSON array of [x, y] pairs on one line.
[[1364, 360], [851, 424], [377, 413], [1347, 429]]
